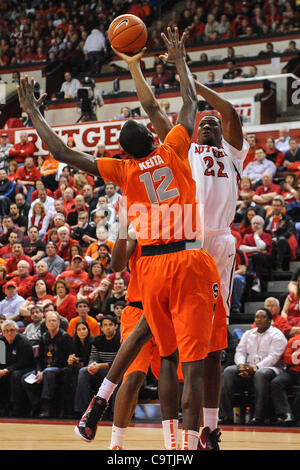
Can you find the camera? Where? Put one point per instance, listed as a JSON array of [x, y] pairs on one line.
[[86, 99]]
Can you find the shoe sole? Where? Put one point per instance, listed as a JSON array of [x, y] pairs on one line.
[[78, 433]]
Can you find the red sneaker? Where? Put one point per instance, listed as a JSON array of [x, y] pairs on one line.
[[209, 440], [87, 427]]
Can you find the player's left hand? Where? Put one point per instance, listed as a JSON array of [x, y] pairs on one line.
[[130, 59], [26, 96], [175, 46]]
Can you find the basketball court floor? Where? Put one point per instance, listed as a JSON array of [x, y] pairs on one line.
[[40, 435]]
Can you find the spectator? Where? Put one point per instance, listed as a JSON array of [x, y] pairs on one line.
[[53, 352], [95, 275], [24, 148], [252, 72], [255, 170], [10, 306], [282, 143], [40, 292], [7, 192], [118, 293], [22, 205], [245, 225], [273, 305], [64, 243], [293, 210], [75, 276], [70, 86], [42, 272], [292, 156], [27, 176], [252, 141], [233, 71], [266, 192], [7, 227], [6, 250], [48, 171], [56, 264], [210, 27], [89, 199], [95, 48], [272, 153], [79, 206], [78, 358], [125, 113], [17, 218], [46, 200], [257, 360], [83, 308], [64, 301], [33, 330], [161, 77], [258, 247], [269, 51], [239, 281], [18, 255], [34, 247], [18, 360], [291, 307], [289, 188], [280, 384], [103, 352], [100, 298], [111, 193], [281, 228], [12, 170], [5, 147], [23, 279]]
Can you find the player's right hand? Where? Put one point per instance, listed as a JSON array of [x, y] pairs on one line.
[[130, 59]]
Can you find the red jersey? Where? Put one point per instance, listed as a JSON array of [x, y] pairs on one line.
[[74, 280], [291, 354], [12, 264], [159, 191], [294, 307], [28, 175], [20, 151]]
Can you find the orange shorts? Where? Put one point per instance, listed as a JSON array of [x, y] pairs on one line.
[[179, 291], [218, 339], [130, 317]]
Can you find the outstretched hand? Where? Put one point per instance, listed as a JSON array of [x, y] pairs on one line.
[[175, 46], [128, 58], [27, 100]]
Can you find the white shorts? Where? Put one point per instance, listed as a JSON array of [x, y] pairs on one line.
[[220, 244]]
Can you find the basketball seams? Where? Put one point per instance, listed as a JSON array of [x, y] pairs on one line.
[[126, 29], [135, 39]]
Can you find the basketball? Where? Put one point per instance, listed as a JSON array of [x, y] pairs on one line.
[[127, 33]]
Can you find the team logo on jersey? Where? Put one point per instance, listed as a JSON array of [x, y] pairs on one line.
[[120, 24], [215, 289]]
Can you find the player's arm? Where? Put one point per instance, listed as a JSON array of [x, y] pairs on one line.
[[231, 124], [157, 116], [124, 245], [187, 113], [55, 145]]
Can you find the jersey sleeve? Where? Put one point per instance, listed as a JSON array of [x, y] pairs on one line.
[[235, 153], [112, 170], [179, 140]]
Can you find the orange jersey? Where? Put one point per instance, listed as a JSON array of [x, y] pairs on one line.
[[133, 291], [159, 191]]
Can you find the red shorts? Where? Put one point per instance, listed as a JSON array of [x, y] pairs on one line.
[[179, 293], [148, 355]]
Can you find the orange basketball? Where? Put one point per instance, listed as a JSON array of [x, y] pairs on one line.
[[127, 33]]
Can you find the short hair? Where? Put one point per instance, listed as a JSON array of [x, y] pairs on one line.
[[119, 303], [258, 217], [52, 311], [9, 322], [267, 311], [82, 301], [36, 307], [260, 148], [23, 261], [61, 281], [274, 299], [136, 139], [108, 317]]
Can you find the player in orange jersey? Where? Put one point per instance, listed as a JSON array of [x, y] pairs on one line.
[[179, 282]]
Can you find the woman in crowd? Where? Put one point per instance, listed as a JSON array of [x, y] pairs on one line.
[[64, 301], [291, 306], [40, 293], [245, 225], [100, 297], [96, 274]]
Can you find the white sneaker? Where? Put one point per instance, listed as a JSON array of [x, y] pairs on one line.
[[256, 285]]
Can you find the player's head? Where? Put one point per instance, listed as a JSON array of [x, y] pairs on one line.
[[210, 131], [136, 139]]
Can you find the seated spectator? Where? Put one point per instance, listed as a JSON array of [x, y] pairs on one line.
[[89, 198], [252, 72], [23, 279], [111, 194], [49, 306], [269, 51], [48, 171], [245, 225], [100, 150], [23, 149], [5, 147], [211, 79], [239, 281], [84, 233], [245, 187], [246, 202], [257, 361], [64, 243], [272, 153], [95, 275], [118, 293], [6, 250], [94, 251], [281, 228], [203, 58], [255, 170], [104, 349], [19, 360], [292, 156], [17, 218], [233, 71], [33, 330], [39, 219], [278, 321], [161, 77], [124, 274], [78, 358], [83, 309], [3, 281], [8, 226], [75, 275], [12, 170], [280, 384], [34, 247], [46, 200], [266, 192], [210, 26], [252, 141], [40, 292], [27, 176], [293, 210], [22, 205], [291, 307], [103, 205], [70, 86], [18, 255], [10, 305], [64, 301], [282, 143], [7, 192], [258, 248], [53, 352], [56, 264], [100, 298], [42, 272]]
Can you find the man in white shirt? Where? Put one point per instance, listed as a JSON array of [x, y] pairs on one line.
[[95, 48], [255, 170], [47, 201], [70, 86], [283, 142], [258, 359]]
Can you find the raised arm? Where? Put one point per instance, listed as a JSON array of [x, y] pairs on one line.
[[55, 145], [124, 245], [156, 114]]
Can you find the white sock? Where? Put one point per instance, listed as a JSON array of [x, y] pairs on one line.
[[210, 418], [106, 389], [189, 439], [170, 431], [117, 437]]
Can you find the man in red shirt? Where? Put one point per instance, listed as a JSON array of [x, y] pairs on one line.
[[65, 242], [265, 193], [24, 148], [27, 176], [252, 141], [76, 276], [6, 251], [23, 279], [42, 272], [18, 255]]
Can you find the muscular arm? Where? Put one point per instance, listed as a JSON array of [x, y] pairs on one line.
[[55, 145], [121, 253], [231, 124]]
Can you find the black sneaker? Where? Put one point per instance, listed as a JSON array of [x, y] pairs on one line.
[[209, 440], [87, 426]]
